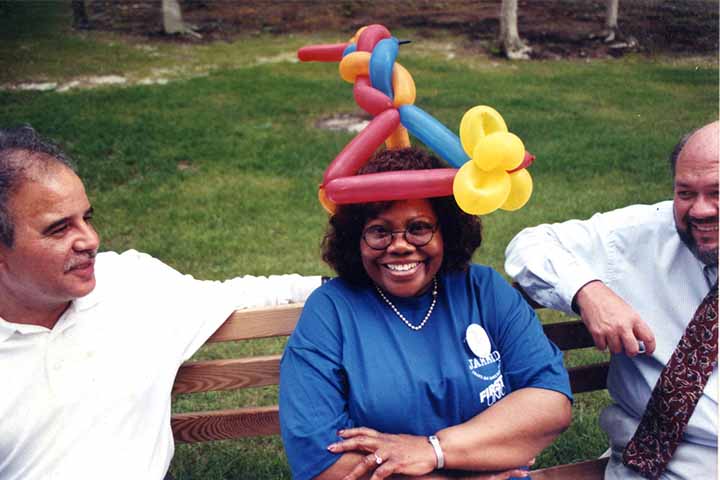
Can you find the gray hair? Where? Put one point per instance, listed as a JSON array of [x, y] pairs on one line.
[[22, 150]]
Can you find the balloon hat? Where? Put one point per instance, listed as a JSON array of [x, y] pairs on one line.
[[489, 162]]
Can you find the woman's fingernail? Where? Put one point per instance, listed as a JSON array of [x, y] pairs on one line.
[[340, 432], [332, 447]]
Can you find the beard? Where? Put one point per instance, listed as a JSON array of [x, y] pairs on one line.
[[708, 257]]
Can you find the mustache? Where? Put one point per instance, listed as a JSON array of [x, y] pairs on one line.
[[80, 259]]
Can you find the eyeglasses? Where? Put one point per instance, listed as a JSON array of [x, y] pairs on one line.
[[418, 234]]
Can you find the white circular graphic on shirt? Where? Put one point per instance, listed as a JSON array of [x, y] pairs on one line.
[[477, 340]]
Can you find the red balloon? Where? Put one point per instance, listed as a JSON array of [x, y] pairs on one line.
[[389, 186], [371, 100], [322, 53], [527, 161], [371, 36], [360, 148]]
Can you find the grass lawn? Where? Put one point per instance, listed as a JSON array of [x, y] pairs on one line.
[[217, 174]]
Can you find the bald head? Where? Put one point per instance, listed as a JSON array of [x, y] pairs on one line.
[[704, 142], [695, 187]]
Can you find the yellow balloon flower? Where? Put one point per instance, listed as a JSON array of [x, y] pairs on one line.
[[487, 182], [521, 186], [478, 192], [478, 122], [501, 150]]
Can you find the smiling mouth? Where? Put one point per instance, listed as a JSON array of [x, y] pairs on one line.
[[402, 267], [705, 228], [80, 266]]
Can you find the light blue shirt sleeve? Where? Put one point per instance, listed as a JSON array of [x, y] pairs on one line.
[[551, 262]]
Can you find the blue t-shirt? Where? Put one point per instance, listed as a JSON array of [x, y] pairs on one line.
[[352, 362]]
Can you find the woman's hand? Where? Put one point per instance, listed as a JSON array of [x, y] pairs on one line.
[[387, 454], [402, 455]]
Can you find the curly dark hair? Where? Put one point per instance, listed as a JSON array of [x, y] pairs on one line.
[[461, 232]]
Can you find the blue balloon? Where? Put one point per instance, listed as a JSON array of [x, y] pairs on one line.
[[382, 61], [349, 49], [433, 134]]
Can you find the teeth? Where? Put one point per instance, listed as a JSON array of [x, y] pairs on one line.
[[705, 228], [402, 268]]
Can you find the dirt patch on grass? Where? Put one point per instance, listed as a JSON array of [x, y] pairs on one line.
[[554, 28], [347, 122]]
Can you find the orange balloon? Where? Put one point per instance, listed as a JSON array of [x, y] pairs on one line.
[[326, 203], [403, 86], [354, 64], [398, 139]]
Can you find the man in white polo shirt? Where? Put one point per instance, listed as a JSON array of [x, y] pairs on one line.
[[90, 342]]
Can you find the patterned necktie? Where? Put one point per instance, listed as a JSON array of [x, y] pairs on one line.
[[676, 393]]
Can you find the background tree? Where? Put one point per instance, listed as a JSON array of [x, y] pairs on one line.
[[509, 39], [80, 18], [172, 19], [515, 48], [611, 20]]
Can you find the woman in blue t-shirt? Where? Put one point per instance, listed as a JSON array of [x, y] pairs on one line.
[[413, 360]]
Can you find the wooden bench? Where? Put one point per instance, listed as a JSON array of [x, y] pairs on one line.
[[236, 373]]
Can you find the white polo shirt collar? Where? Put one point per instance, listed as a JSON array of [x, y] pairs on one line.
[[8, 329]]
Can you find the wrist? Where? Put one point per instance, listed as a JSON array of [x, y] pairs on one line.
[[439, 456], [584, 294]]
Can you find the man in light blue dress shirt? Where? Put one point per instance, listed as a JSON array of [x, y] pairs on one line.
[[636, 276]]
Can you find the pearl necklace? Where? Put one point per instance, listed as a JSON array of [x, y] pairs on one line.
[[402, 317]]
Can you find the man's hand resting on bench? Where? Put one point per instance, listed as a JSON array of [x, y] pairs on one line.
[[612, 323]]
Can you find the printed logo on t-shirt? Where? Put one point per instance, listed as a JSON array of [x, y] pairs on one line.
[[485, 365], [488, 369]]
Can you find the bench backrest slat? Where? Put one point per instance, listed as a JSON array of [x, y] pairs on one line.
[[217, 375], [258, 323], [200, 427], [588, 378], [225, 424], [569, 335], [214, 375]]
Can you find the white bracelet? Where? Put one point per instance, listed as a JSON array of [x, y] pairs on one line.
[[435, 442]]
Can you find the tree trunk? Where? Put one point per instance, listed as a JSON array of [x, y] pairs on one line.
[[509, 39], [611, 20], [80, 18], [172, 17], [173, 22], [612, 14]]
